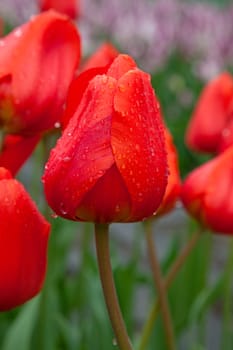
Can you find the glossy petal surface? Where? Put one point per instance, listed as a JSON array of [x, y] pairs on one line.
[[23, 249], [207, 193], [211, 115], [83, 153], [138, 143], [34, 56], [16, 150]]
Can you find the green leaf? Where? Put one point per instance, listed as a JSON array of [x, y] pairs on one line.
[[20, 333], [205, 299]]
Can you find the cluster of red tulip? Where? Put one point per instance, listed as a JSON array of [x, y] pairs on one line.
[[115, 160], [206, 193]]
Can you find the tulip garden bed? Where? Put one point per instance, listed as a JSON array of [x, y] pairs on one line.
[[116, 173]]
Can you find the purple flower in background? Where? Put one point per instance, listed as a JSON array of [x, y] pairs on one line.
[[17, 11], [151, 31]]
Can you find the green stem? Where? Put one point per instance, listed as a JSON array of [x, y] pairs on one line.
[[147, 330], [159, 284], [227, 306], [2, 136], [108, 285]]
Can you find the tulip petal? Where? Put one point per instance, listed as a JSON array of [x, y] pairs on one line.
[[121, 65], [23, 249], [16, 150], [138, 143], [36, 55], [76, 91], [210, 115], [108, 201], [83, 154], [218, 200], [102, 57]]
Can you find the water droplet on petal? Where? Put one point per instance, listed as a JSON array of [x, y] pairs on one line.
[[57, 125], [66, 159], [18, 32]]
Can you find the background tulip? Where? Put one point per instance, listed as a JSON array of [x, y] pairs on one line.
[[211, 115], [98, 63], [207, 193], [174, 182], [23, 244], [33, 57], [102, 57], [70, 8], [110, 163], [16, 150]]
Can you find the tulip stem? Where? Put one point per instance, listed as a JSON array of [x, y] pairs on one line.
[[108, 286], [176, 266], [227, 304], [2, 135], [159, 284]]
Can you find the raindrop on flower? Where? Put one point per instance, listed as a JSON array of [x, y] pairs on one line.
[[66, 159], [18, 33], [57, 125]]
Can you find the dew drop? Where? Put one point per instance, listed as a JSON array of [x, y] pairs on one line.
[[66, 159], [54, 215], [117, 208], [18, 33], [57, 125], [63, 210], [114, 342]]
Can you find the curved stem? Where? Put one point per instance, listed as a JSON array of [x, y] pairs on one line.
[[108, 285], [159, 284], [146, 332]]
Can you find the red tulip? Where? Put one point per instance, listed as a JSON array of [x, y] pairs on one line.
[[70, 8], [110, 163], [37, 64], [23, 244], [211, 115], [16, 150], [207, 193], [174, 183]]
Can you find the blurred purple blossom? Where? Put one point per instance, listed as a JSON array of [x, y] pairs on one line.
[[151, 30]]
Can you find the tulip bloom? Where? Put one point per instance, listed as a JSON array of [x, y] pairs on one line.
[[37, 63], [207, 193], [23, 244], [110, 163], [16, 150], [211, 115], [66, 7], [174, 183]]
